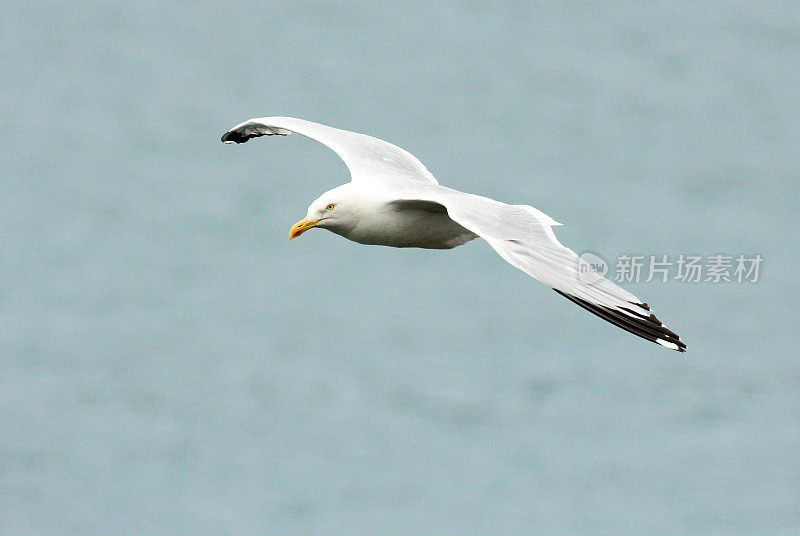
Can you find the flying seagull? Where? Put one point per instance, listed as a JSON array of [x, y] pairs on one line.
[[393, 200]]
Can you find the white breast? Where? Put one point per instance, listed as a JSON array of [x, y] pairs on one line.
[[409, 228]]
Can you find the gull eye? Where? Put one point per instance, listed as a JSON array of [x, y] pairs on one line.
[[330, 206]]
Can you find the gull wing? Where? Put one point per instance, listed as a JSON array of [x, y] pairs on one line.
[[524, 237], [366, 157]]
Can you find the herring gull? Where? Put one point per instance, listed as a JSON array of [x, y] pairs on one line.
[[393, 200]]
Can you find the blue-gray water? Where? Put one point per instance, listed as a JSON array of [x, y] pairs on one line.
[[172, 365]]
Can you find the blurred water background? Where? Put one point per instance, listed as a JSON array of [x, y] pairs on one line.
[[170, 364]]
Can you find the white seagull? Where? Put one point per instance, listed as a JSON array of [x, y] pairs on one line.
[[393, 200]]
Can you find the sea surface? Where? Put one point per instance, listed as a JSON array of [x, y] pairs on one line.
[[170, 364]]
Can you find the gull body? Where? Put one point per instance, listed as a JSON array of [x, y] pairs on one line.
[[372, 216], [393, 200]]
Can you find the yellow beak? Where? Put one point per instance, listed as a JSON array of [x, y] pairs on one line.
[[301, 227]]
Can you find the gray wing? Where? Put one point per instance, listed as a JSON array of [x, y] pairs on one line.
[[524, 237], [366, 157]]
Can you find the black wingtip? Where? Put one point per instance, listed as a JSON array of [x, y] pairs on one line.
[[233, 137], [646, 327]]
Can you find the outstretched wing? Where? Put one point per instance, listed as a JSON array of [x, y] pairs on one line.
[[524, 237], [366, 157]]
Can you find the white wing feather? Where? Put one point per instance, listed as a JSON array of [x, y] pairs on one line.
[[366, 157], [524, 237]]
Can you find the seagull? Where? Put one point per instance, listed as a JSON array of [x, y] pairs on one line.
[[393, 200]]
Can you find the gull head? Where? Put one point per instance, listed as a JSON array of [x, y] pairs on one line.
[[335, 210]]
